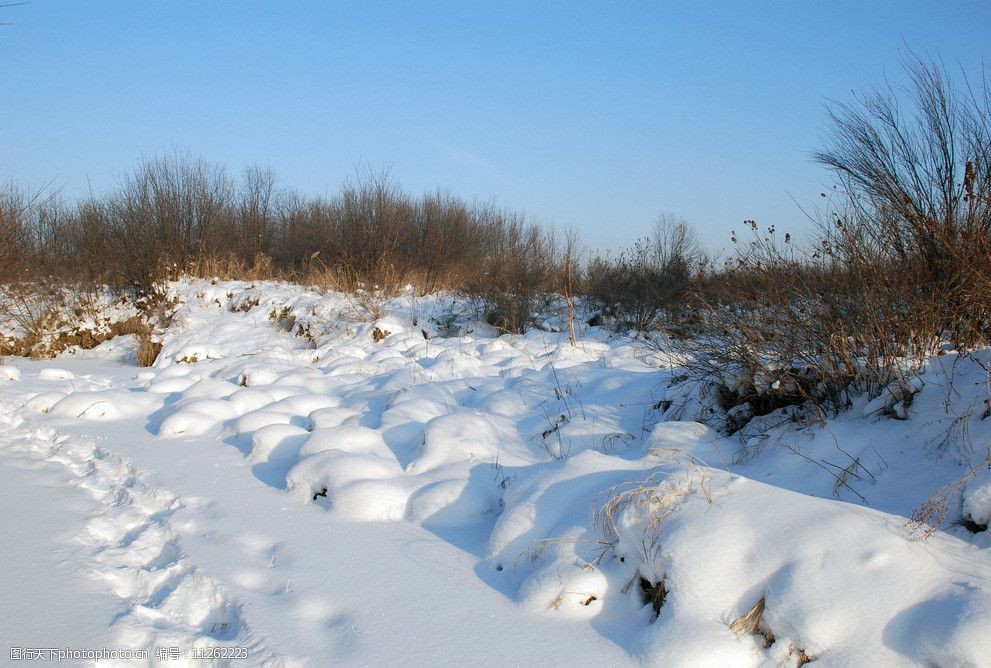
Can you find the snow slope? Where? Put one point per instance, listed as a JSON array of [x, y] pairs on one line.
[[319, 488]]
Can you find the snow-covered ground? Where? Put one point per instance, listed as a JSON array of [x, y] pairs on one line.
[[317, 485]]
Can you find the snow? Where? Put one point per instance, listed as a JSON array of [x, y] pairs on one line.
[[283, 480], [977, 497], [819, 593], [9, 374], [42, 510]]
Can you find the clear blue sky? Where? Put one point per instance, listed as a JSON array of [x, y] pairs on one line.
[[596, 115]]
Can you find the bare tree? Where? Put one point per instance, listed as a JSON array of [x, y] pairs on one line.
[[257, 210]]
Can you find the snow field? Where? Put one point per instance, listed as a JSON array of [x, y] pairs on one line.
[[129, 546], [553, 467]]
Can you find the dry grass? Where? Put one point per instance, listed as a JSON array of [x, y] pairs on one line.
[[749, 622], [54, 319], [365, 306], [656, 496], [227, 267], [654, 594], [933, 512], [148, 350], [899, 265], [809, 329], [752, 623], [285, 320]]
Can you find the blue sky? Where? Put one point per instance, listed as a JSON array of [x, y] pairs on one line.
[[592, 115]]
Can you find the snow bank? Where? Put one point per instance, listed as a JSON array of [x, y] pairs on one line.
[[561, 472], [839, 583]]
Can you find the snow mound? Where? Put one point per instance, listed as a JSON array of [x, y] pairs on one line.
[[53, 373], [977, 498], [197, 417], [44, 401], [722, 543], [273, 437], [349, 439], [359, 486], [459, 437], [102, 405]]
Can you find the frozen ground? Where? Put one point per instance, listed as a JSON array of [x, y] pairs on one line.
[[286, 480]]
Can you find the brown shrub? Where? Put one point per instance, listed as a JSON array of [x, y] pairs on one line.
[[148, 350], [904, 265], [647, 281], [915, 170], [175, 216], [521, 274]]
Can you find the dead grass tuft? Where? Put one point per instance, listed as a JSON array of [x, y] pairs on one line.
[[656, 496], [752, 623], [801, 658], [148, 350], [653, 595], [933, 512], [748, 623]]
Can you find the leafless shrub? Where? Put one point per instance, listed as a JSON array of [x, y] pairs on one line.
[[810, 329], [903, 266], [175, 215], [518, 275], [21, 215], [647, 280], [170, 210], [915, 166]]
